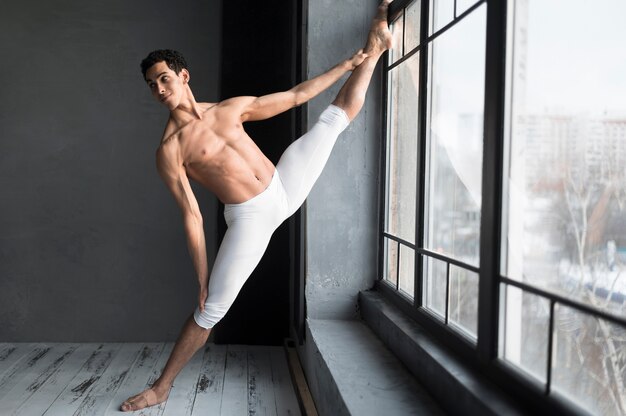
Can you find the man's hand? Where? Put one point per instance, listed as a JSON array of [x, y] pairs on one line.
[[356, 60], [202, 295]]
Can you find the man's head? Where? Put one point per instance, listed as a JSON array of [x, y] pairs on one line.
[[166, 73], [174, 60]]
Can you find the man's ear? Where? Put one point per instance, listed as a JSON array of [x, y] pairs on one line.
[[185, 74]]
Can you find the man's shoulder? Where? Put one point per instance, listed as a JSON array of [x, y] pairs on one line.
[[236, 103], [170, 134], [169, 145]]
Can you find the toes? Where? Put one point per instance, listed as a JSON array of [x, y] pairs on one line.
[[144, 399], [129, 404]]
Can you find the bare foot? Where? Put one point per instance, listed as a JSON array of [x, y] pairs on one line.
[[148, 397], [379, 38]]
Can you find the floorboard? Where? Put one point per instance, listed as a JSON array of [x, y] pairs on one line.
[[261, 400], [51, 389], [211, 381], [33, 377], [20, 368], [104, 390], [137, 378], [88, 379], [12, 354], [286, 400], [235, 392], [68, 402]]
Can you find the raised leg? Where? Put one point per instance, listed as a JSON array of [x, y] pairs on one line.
[[191, 339], [352, 95]]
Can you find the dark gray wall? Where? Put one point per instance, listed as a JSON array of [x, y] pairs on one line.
[[258, 65], [91, 243]]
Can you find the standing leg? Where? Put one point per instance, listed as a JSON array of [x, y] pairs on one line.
[[192, 337], [240, 251]]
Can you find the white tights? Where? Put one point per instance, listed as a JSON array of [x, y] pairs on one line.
[[252, 223]]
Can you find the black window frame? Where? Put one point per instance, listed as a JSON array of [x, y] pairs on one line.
[[483, 354]]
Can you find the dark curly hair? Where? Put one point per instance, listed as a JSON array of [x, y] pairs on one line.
[[174, 60]]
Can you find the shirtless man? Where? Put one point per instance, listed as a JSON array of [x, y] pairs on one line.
[[207, 143]]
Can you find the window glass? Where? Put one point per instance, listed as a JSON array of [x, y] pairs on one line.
[[397, 32], [391, 262], [407, 270], [463, 300], [435, 286], [463, 5], [588, 361], [525, 341], [455, 137], [442, 13], [402, 149], [412, 26], [564, 189]]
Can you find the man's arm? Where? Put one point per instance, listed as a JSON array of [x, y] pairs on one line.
[[171, 169], [260, 108]]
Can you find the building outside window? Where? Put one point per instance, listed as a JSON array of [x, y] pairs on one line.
[[561, 190]]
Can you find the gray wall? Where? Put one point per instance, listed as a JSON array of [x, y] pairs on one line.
[[91, 243], [341, 214], [342, 208]]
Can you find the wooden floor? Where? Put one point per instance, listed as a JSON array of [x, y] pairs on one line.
[[94, 379]]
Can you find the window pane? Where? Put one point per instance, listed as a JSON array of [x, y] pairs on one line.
[[564, 222], [442, 13], [564, 184], [463, 5], [397, 33], [589, 359], [407, 270], [524, 341], [391, 262], [412, 26], [464, 300], [455, 130], [402, 149], [435, 285]]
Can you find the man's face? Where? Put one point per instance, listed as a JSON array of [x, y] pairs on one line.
[[166, 86]]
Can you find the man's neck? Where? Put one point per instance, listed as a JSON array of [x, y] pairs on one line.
[[188, 109]]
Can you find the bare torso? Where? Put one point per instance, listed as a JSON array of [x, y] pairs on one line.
[[219, 155]]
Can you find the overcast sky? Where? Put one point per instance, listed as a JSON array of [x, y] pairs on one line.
[[577, 55]]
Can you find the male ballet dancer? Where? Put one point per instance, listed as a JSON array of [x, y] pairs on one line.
[[206, 142]]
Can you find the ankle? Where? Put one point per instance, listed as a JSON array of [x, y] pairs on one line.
[[374, 53], [161, 386]]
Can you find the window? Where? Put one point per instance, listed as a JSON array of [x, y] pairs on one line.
[[504, 220], [444, 244]]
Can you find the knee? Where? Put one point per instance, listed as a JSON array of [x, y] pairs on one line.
[[210, 316], [335, 115]]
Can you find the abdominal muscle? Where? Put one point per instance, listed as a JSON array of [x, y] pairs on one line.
[[235, 172]]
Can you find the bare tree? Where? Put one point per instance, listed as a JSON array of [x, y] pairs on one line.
[[591, 194]]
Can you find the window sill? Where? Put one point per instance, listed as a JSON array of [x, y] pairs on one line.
[[350, 372], [437, 369]]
